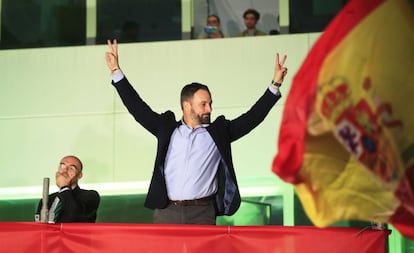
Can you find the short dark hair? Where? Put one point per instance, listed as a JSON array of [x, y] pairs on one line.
[[252, 11], [213, 15], [188, 91]]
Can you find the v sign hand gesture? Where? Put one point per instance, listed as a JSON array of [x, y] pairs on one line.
[[112, 56], [280, 69]]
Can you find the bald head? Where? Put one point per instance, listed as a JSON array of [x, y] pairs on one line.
[[74, 160]]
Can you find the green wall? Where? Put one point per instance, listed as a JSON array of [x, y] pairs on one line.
[[58, 101]]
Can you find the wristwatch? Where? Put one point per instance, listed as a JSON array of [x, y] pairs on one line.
[[276, 83]]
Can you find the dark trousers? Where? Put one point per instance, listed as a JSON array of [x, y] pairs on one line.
[[173, 214]]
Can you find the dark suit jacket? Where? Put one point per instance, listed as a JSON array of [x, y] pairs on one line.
[[222, 131], [78, 205]]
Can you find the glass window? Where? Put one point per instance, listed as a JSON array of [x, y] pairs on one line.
[[312, 16], [37, 23], [143, 20]]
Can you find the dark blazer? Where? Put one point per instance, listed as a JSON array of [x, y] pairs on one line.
[[222, 131], [78, 205]]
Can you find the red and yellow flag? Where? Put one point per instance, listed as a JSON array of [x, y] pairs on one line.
[[346, 140]]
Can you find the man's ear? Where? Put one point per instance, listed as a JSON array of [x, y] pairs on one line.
[[80, 175], [186, 105]]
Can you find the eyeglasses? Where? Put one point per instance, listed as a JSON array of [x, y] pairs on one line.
[[68, 166]]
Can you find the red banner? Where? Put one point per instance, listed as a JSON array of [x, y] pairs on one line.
[[124, 238]]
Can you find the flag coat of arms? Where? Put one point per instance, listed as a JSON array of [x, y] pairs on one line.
[[346, 141]]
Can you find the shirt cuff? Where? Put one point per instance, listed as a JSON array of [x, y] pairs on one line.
[[116, 77], [274, 90]]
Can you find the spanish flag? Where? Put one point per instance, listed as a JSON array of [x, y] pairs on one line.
[[346, 140]]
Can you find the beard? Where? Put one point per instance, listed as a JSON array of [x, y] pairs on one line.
[[204, 118], [201, 118]]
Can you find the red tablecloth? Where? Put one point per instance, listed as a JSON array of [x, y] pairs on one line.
[[124, 238]]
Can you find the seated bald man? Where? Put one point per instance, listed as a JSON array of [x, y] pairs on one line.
[[71, 203]]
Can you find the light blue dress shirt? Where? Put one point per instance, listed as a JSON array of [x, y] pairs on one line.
[[191, 164]]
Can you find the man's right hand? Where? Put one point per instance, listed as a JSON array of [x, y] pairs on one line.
[[112, 56], [63, 179]]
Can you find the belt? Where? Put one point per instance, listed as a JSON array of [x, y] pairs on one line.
[[194, 202]]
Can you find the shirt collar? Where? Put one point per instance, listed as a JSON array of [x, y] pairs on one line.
[[189, 127]]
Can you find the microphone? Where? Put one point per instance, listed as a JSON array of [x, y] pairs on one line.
[[44, 212]]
